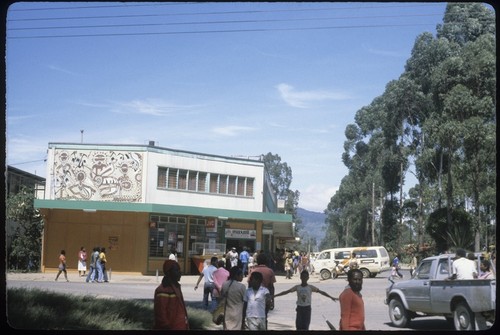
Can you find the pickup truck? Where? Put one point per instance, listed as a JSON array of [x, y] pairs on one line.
[[467, 304]]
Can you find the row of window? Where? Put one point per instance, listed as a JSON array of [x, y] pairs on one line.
[[197, 181]]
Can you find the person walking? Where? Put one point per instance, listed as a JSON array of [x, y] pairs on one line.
[[169, 306], [208, 286], [103, 275], [233, 257], [257, 302], [304, 298], [82, 262], [244, 256], [289, 266], [352, 308], [233, 292], [221, 275], [268, 275], [62, 265], [396, 266], [92, 276]]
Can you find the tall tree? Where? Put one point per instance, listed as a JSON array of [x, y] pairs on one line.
[[26, 244]]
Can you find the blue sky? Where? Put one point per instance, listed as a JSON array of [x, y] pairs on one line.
[[232, 79]]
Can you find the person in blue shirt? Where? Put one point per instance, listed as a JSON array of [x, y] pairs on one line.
[[244, 256], [395, 264]]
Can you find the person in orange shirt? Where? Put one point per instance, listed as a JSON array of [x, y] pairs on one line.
[[352, 307], [169, 307]]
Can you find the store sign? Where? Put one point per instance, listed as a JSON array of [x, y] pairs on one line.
[[211, 225], [241, 233]]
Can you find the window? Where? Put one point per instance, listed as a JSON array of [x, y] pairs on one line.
[[202, 182], [182, 180], [172, 178], [167, 233], [249, 192], [197, 181], [231, 186], [214, 181], [223, 184], [241, 186], [162, 177], [192, 177]]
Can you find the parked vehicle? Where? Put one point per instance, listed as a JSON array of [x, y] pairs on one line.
[[332, 263], [468, 303], [372, 260], [329, 259]]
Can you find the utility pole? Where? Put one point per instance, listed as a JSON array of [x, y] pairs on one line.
[[373, 213]]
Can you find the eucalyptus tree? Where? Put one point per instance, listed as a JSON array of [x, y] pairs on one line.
[[281, 179]]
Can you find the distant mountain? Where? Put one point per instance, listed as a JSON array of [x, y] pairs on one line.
[[313, 224]]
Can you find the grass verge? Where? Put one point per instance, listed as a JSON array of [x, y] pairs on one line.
[[39, 309]]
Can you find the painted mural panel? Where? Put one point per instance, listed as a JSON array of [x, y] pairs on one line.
[[98, 175]]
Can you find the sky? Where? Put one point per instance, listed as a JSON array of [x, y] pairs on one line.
[[232, 79]]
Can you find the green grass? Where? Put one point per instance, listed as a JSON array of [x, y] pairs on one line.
[[38, 309]]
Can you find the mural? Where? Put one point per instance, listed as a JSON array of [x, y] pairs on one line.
[[97, 175]]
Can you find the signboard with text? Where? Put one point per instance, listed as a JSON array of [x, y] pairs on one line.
[[241, 233]]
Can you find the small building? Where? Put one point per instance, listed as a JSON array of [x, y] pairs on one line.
[[144, 202]]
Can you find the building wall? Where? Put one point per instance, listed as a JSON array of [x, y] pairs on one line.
[[85, 172], [123, 234]]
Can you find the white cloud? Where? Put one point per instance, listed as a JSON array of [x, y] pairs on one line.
[[316, 197], [302, 99], [59, 69], [231, 130]]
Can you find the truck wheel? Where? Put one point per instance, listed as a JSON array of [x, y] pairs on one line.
[[398, 314], [463, 317], [366, 273], [325, 274]]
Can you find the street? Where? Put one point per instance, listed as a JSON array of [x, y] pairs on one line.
[[281, 318]]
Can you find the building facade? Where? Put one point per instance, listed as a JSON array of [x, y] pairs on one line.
[[143, 202]]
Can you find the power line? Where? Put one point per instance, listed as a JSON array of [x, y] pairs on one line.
[[226, 22], [223, 31], [38, 160]]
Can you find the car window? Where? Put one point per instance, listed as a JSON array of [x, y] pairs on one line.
[[424, 270], [443, 269], [324, 255], [366, 253]]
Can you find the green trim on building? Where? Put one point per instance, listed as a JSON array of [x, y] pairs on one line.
[[161, 209]]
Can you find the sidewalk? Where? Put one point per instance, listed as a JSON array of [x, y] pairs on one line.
[[120, 277]]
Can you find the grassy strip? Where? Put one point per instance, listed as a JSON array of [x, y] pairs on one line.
[[39, 309]]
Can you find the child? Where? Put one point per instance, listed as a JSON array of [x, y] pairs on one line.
[[257, 302], [304, 297]]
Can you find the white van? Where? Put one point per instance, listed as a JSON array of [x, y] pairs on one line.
[[327, 260], [371, 260]]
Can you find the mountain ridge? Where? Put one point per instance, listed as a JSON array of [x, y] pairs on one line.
[[312, 225]]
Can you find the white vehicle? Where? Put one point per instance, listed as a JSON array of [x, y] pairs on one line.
[[371, 261], [328, 259]]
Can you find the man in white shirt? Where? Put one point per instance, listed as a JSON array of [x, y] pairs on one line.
[[463, 268]]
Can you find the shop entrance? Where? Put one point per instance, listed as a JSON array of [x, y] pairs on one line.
[[239, 244]]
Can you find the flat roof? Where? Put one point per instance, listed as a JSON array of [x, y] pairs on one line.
[[161, 209]]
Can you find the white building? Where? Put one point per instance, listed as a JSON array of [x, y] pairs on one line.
[[141, 202]]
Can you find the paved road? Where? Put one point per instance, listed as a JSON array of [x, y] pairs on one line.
[[134, 286]]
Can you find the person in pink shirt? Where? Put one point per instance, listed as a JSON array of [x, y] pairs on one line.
[[220, 276]]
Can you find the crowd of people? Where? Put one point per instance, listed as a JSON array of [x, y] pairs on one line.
[[246, 305], [97, 266]]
